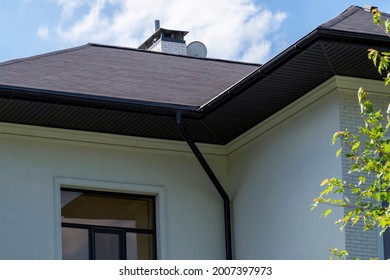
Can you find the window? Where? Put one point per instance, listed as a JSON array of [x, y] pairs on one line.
[[107, 226]]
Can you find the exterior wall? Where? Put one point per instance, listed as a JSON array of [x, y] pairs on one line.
[[359, 243], [272, 173], [36, 161], [275, 172], [169, 47]]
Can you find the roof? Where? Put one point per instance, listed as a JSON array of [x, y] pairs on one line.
[[355, 19], [136, 92], [125, 74]]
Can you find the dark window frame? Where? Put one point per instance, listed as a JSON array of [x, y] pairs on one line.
[[121, 231], [386, 244], [386, 238]]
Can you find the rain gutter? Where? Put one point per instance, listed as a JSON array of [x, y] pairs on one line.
[[95, 101], [321, 33]]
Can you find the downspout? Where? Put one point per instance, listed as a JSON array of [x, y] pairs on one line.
[[215, 181]]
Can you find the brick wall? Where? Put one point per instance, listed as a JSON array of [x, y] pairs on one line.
[[169, 47], [359, 243]]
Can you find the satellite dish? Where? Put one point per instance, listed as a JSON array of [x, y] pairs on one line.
[[196, 49]]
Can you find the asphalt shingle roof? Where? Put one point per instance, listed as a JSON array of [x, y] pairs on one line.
[[355, 19], [125, 73]]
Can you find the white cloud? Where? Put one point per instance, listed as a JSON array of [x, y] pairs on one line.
[[43, 32], [231, 29], [69, 6]]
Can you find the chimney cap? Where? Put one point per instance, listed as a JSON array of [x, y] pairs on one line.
[[164, 34]]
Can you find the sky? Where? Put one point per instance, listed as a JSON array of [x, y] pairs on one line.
[[241, 30]]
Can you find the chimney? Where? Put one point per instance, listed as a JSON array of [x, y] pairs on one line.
[[370, 9], [166, 41], [156, 25]]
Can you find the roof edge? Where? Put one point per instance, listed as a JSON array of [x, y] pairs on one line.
[[320, 33], [28, 58], [94, 101], [347, 13]]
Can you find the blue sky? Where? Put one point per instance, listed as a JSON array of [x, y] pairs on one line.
[[244, 30]]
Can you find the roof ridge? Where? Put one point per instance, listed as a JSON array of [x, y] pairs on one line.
[[171, 54], [34, 57]]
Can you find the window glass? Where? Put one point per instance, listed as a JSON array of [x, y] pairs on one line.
[[112, 210], [139, 246], [75, 244], [107, 246], [102, 225]]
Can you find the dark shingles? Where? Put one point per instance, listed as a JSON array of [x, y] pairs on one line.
[[355, 19], [126, 73]]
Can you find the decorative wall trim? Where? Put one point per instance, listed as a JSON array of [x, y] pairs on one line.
[[353, 84], [91, 139]]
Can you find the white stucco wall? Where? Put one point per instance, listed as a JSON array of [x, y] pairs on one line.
[[272, 173], [274, 178], [31, 164]]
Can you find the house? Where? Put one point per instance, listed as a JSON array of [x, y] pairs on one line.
[[111, 152]]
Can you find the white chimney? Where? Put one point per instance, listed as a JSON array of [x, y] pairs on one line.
[[172, 41], [166, 41]]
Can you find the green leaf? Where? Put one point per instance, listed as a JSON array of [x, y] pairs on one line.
[[387, 26], [386, 147], [339, 254], [362, 94], [368, 108], [376, 16], [387, 79], [324, 182], [355, 146], [326, 212], [355, 219], [338, 152], [383, 64]]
